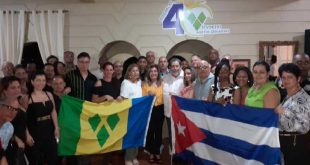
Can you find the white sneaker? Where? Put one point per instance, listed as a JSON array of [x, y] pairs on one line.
[[128, 162], [135, 161]]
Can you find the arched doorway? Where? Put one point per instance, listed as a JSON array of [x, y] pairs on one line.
[[189, 47], [118, 50]]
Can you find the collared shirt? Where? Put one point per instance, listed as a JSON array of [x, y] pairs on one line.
[[80, 88], [6, 132], [296, 117], [172, 86], [163, 74], [202, 87]]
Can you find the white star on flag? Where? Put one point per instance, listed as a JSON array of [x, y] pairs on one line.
[[181, 129]]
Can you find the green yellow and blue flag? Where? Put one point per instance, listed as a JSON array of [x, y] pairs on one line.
[[91, 128]]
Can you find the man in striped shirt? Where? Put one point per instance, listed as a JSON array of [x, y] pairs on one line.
[[80, 80]]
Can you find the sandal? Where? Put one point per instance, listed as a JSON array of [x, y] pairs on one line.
[[152, 159], [158, 159]]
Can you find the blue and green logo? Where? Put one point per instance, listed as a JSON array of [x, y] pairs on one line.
[[190, 18]]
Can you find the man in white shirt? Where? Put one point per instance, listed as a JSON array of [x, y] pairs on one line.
[[173, 84]]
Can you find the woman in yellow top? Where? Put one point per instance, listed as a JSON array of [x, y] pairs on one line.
[[264, 93], [153, 86]]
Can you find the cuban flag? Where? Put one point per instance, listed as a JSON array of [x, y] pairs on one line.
[[209, 133]]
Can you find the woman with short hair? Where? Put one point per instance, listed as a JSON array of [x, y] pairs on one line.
[[294, 117]]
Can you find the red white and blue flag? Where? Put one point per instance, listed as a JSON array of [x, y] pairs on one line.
[[209, 133]]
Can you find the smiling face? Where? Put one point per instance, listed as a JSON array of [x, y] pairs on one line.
[[224, 73], [175, 68], [260, 74], [153, 74], [108, 71], [204, 69], [8, 110], [39, 82], [187, 75], [58, 84], [242, 78], [14, 89], [134, 74]]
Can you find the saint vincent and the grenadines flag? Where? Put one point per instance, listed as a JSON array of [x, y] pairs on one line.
[[209, 133], [91, 128]]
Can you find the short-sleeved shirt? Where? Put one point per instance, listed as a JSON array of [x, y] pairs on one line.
[[131, 90], [202, 87], [6, 132], [172, 85], [255, 98], [80, 88]]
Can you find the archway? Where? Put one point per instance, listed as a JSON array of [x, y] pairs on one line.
[[189, 47], [118, 50]]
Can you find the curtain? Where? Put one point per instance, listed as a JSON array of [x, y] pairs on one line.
[[49, 32], [12, 35]]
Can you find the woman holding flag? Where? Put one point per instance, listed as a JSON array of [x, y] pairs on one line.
[[131, 88], [153, 86], [264, 93], [294, 119]]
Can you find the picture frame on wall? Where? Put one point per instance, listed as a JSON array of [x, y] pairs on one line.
[[241, 62]]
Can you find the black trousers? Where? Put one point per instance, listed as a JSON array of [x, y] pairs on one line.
[[43, 151], [295, 149], [154, 134]]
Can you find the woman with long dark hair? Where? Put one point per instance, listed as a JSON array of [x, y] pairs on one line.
[[42, 123], [222, 90], [153, 86]]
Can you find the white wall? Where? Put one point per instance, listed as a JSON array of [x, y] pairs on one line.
[[90, 26]]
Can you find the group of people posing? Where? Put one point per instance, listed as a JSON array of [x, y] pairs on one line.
[[31, 98]]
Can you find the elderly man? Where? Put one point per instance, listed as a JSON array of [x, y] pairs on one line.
[[150, 57], [172, 85], [163, 66], [7, 69], [8, 111], [204, 81], [69, 61]]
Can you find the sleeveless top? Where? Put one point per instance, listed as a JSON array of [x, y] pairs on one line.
[[255, 98], [108, 88], [39, 119]]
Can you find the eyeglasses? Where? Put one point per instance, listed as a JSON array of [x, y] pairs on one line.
[[204, 67], [9, 107]]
